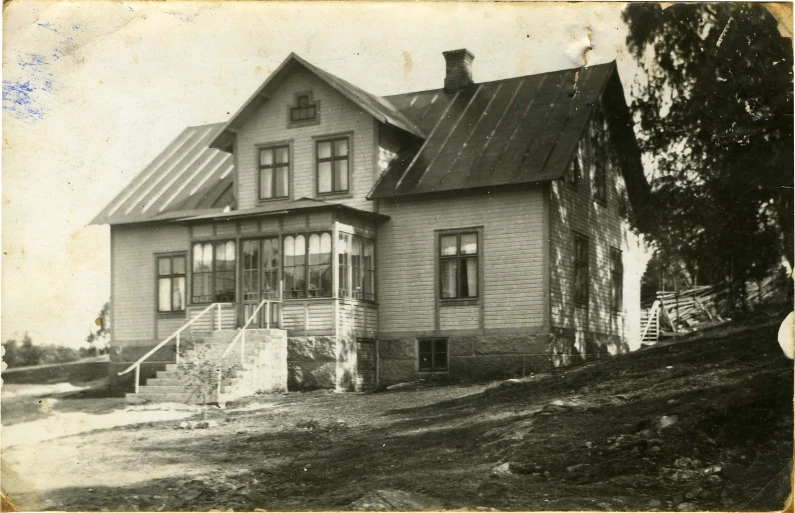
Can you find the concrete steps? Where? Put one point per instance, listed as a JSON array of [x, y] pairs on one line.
[[240, 378]]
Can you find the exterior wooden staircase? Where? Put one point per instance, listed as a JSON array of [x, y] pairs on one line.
[[650, 324]]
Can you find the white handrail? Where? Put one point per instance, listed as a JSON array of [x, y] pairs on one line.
[[241, 335], [652, 312], [176, 334]]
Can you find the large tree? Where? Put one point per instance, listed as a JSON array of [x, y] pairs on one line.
[[713, 103]]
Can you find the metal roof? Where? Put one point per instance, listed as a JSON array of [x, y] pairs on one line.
[[280, 208], [186, 178], [513, 131], [379, 108]]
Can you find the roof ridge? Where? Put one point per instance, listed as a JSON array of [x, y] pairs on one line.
[[613, 62]]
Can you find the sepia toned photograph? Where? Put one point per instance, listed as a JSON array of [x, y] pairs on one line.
[[397, 256]]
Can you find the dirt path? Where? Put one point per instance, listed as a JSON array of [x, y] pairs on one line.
[[700, 424]]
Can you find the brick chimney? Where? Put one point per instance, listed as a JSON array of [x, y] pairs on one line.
[[459, 69]]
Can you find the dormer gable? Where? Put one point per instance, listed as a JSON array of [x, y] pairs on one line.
[[377, 107]]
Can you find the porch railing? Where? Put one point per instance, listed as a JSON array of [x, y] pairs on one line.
[[176, 335], [241, 335]]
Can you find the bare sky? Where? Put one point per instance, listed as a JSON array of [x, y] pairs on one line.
[[92, 91]]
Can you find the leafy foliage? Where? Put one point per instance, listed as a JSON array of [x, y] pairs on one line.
[[25, 354], [199, 371], [713, 105], [99, 339]]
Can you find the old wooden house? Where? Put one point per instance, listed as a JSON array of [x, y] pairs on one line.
[[477, 230]]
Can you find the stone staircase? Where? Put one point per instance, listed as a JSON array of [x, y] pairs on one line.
[[263, 368]]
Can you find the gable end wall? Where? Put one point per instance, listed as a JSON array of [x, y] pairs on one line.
[[269, 124], [596, 328]]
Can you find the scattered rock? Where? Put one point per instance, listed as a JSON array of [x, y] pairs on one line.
[[519, 468], [672, 401], [503, 470], [680, 475], [575, 467], [714, 479], [398, 386], [688, 463], [606, 506], [201, 424], [483, 508], [667, 421], [395, 500], [692, 494], [654, 503], [635, 450], [655, 448], [645, 433], [687, 506], [588, 445]]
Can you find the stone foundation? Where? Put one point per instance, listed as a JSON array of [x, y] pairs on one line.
[[321, 362], [570, 347], [474, 357]]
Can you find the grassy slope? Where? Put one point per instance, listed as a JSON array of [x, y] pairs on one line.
[[583, 438]]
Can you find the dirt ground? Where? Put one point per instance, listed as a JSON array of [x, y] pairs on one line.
[[703, 423]]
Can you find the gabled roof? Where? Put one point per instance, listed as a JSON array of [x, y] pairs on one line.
[[507, 132], [186, 178], [379, 108]]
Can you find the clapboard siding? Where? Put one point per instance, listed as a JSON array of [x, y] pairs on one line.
[[512, 253], [321, 316], [134, 300], [165, 327], [293, 315], [357, 316], [269, 123], [316, 315], [459, 317], [575, 210], [209, 321]]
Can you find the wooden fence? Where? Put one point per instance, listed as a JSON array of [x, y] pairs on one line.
[[709, 303]]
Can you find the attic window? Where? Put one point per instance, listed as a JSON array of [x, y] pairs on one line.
[[304, 110]]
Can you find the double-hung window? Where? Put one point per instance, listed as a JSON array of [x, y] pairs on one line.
[[616, 280], [171, 283], [432, 353], [274, 172], [580, 269], [458, 265], [307, 265], [214, 271], [332, 165]]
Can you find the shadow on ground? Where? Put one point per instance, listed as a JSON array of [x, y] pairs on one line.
[[703, 423]]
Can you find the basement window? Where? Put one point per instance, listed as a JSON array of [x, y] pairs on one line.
[[432, 354]]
